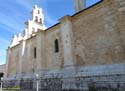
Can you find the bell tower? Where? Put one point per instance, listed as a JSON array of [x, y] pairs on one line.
[[79, 5], [35, 24], [37, 15]]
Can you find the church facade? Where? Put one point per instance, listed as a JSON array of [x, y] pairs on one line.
[[87, 46]]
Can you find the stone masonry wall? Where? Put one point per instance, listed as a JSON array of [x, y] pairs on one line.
[[28, 60], [97, 37], [13, 67], [55, 60]]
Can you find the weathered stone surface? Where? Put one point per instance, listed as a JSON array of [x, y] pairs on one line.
[[91, 51], [92, 37], [97, 37]]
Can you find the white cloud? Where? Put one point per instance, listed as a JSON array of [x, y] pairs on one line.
[[2, 40], [49, 20], [25, 3], [10, 23]]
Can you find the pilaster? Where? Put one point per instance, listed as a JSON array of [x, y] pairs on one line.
[[41, 61], [20, 57], [68, 50], [67, 39], [7, 63], [121, 23]]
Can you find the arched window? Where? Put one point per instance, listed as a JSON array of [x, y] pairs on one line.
[[56, 46]]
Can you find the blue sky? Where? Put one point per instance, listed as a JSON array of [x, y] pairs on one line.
[[14, 13]]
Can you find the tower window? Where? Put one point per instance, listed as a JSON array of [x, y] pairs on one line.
[[40, 20], [35, 52], [56, 46], [38, 11], [36, 19]]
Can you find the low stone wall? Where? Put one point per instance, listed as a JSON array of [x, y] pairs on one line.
[[99, 83], [98, 78]]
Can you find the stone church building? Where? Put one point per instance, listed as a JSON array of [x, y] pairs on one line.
[[83, 49]]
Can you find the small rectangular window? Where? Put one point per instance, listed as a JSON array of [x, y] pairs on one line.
[[35, 53], [56, 46]]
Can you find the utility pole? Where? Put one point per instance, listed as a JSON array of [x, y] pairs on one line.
[[1, 81], [1, 87], [37, 84]]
